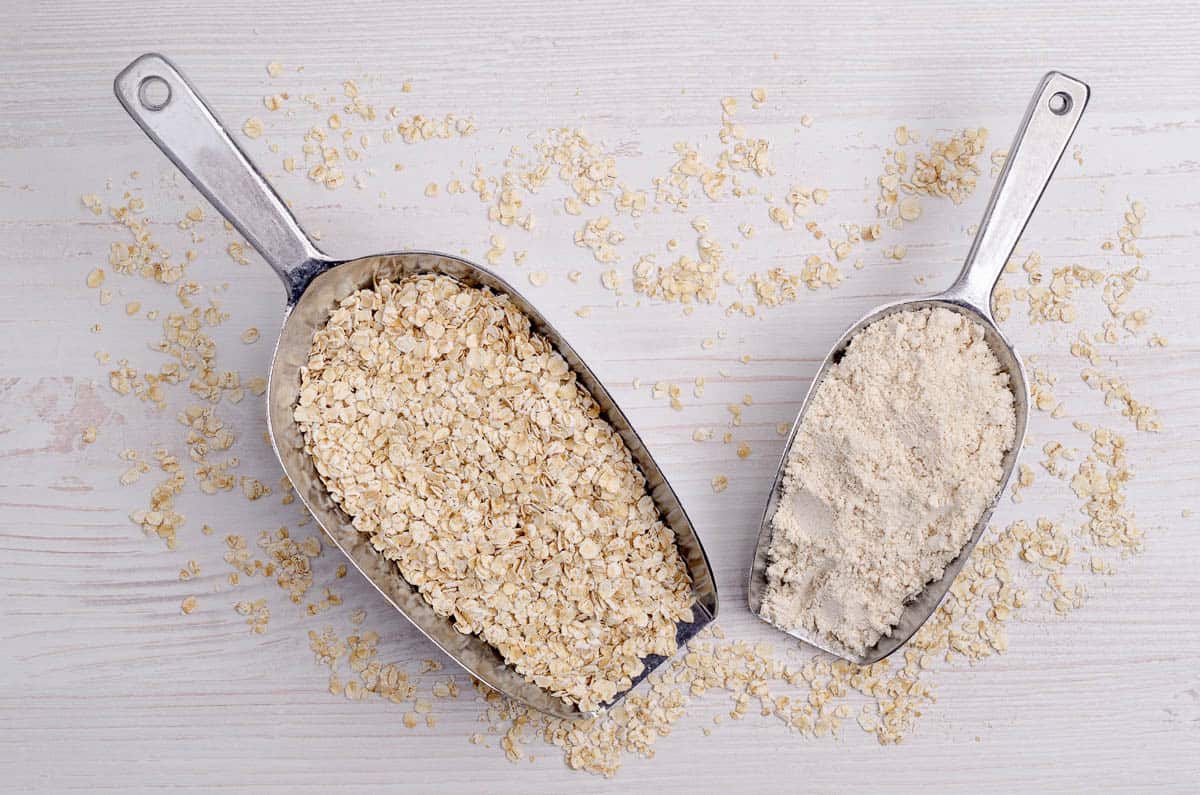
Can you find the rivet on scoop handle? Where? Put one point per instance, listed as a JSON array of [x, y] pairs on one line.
[[1050, 120], [175, 117]]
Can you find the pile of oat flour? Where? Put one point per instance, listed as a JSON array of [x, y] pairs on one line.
[[898, 455]]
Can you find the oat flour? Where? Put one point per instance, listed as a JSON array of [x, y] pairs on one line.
[[899, 454]]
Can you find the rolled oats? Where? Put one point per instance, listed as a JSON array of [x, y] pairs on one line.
[[253, 127], [461, 443]]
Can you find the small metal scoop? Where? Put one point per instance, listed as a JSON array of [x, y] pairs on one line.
[[170, 111], [1042, 138]]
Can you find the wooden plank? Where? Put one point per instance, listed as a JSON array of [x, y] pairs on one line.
[[106, 685]]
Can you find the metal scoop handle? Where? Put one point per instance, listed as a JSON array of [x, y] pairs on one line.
[[1049, 122], [174, 116]]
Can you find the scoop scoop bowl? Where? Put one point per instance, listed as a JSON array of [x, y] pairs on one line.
[[172, 114], [1049, 122]]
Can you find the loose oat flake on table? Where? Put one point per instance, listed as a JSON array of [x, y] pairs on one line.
[[458, 440]]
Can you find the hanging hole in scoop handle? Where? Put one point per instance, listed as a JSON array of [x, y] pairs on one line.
[[1041, 140], [154, 93], [1060, 103], [176, 118]]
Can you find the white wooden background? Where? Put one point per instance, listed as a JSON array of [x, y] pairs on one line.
[[104, 685]]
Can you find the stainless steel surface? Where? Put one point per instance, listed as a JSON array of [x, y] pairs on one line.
[[1049, 122], [189, 133], [169, 110]]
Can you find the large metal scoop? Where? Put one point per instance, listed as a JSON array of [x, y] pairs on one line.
[[1041, 140], [170, 111]]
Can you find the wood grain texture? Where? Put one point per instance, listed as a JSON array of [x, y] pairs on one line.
[[104, 685]]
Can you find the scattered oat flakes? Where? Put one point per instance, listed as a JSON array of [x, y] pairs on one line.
[[257, 614]]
